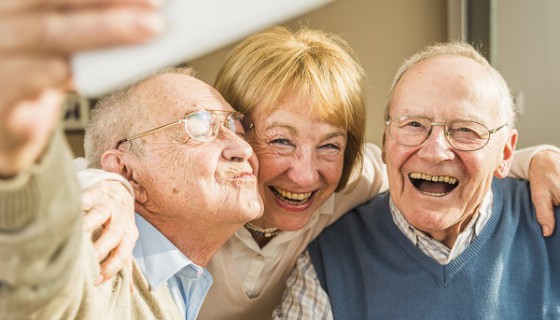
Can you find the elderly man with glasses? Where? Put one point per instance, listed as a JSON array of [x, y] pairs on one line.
[[181, 147], [453, 238]]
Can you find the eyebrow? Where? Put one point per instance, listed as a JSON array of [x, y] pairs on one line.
[[275, 125], [293, 131], [462, 117], [335, 135]]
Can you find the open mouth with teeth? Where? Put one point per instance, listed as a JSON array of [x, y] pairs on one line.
[[292, 198], [437, 186]]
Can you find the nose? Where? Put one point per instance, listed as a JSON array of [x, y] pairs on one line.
[[235, 148], [436, 148], [304, 169]]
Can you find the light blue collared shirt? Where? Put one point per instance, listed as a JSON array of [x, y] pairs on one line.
[[162, 262]]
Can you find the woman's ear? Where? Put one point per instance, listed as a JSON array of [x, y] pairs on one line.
[[507, 156], [116, 161]]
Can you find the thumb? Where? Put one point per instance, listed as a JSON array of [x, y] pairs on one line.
[[545, 213]]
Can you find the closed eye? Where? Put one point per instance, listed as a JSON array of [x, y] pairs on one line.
[[330, 146], [281, 142]]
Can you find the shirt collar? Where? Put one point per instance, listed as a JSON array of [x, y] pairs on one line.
[[158, 258], [433, 247], [326, 208]]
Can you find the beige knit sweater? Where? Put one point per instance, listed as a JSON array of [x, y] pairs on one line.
[[47, 264]]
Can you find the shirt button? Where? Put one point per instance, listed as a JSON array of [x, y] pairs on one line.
[[199, 273]]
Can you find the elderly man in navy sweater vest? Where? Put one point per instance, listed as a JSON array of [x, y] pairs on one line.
[[452, 239]]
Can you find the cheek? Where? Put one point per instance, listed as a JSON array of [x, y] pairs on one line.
[[271, 166], [262, 150], [179, 162], [480, 168], [395, 158], [332, 172]]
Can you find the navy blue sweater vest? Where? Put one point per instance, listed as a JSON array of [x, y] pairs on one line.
[[370, 270]]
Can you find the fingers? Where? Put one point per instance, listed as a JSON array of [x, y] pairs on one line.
[[545, 215], [96, 215], [111, 237], [25, 129], [95, 219], [119, 259], [62, 32], [29, 75], [110, 205], [38, 36], [18, 6]]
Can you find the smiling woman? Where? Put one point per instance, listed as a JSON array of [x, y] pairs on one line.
[[302, 91], [302, 163]]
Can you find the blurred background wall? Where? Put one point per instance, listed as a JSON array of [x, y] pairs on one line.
[[526, 45], [381, 32], [384, 32]]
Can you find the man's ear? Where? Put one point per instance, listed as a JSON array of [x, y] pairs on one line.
[[116, 161], [503, 169]]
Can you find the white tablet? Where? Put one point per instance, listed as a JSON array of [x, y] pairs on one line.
[[194, 28]]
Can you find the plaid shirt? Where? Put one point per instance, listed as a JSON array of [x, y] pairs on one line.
[[436, 249], [304, 297]]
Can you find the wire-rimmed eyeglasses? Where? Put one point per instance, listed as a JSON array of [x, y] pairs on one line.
[[462, 135], [201, 125]]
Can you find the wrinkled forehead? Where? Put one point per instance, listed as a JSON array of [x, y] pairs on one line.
[[202, 103], [177, 94], [450, 84]]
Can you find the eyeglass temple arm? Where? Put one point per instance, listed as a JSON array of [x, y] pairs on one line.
[[497, 129], [148, 132]]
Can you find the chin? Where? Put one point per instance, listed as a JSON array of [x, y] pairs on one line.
[[254, 209]]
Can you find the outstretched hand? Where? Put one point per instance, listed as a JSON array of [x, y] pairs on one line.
[[37, 38]]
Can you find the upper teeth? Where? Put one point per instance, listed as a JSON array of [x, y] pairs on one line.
[[423, 176], [293, 195]]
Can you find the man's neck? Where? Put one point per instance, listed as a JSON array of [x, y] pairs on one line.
[[448, 236], [196, 241]]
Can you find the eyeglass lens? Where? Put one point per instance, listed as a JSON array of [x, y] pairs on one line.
[[204, 125], [461, 134]]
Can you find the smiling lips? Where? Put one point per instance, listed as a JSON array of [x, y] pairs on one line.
[[437, 186], [292, 197]]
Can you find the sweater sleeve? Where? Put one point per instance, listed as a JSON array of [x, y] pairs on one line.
[[89, 177], [522, 160], [40, 233]]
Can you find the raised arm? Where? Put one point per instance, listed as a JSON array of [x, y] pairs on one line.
[[40, 225]]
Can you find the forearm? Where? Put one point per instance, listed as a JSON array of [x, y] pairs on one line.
[[522, 160], [40, 231], [89, 177]]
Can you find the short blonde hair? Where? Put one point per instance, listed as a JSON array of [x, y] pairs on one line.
[[318, 66], [462, 49]]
